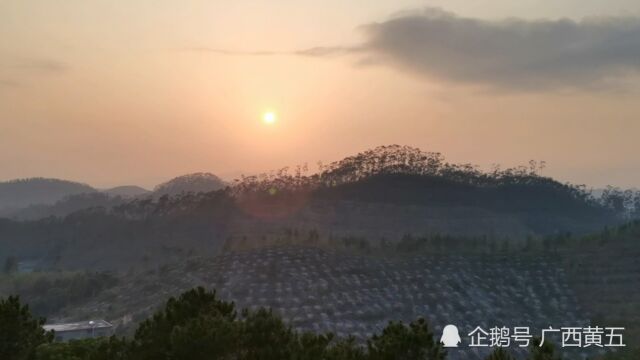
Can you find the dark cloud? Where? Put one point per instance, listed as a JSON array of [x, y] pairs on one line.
[[511, 53]]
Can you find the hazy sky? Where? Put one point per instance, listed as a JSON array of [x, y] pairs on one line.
[[112, 92]]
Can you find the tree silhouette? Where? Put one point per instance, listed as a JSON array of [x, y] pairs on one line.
[[500, 354], [545, 352], [20, 332], [194, 312], [401, 342]]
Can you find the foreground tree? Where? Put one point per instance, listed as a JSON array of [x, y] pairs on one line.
[[624, 354], [20, 332], [196, 325], [545, 352], [346, 349], [400, 342], [112, 348], [500, 354], [264, 336]]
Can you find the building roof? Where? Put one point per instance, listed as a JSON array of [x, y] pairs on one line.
[[83, 325]]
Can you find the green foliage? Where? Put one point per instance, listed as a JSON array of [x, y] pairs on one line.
[[195, 314], [311, 346], [265, 336], [112, 348], [205, 337], [545, 352], [346, 349], [500, 354], [20, 332], [622, 354], [399, 342]]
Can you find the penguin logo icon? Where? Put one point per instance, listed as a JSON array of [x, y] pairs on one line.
[[450, 336]]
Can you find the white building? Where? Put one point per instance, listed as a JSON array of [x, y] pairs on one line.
[[80, 330]]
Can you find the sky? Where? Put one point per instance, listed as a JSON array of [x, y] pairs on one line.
[[116, 93]]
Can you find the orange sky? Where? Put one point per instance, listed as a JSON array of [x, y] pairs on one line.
[[116, 94]]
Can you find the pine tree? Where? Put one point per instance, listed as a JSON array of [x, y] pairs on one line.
[[20, 332], [500, 354]]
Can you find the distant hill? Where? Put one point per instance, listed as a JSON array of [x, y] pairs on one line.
[[126, 191], [21, 193], [67, 206], [191, 183], [74, 202]]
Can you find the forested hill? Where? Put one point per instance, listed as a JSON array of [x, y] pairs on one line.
[[196, 183], [378, 195], [400, 176]]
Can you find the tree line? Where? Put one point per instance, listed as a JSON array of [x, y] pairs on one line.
[[197, 325]]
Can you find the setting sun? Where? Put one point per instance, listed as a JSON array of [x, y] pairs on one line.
[[269, 117]]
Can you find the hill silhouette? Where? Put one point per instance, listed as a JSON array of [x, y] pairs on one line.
[[423, 184], [67, 206], [191, 183], [30, 203], [24, 192], [126, 191]]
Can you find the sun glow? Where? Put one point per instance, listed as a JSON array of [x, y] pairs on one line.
[[269, 117]]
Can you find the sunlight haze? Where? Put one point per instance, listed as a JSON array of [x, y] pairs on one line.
[[110, 95]]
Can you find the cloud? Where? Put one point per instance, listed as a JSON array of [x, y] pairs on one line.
[[40, 65], [4, 83], [510, 53], [314, 51], [26, 69], [235, 52], [328, 51]]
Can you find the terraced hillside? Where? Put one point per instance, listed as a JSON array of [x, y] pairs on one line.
[[321, 290], [605, 273]]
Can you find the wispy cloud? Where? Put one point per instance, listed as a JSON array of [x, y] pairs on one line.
[[19, 71], [314, 51], [329, 51], [235, 52], [40, 65]]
